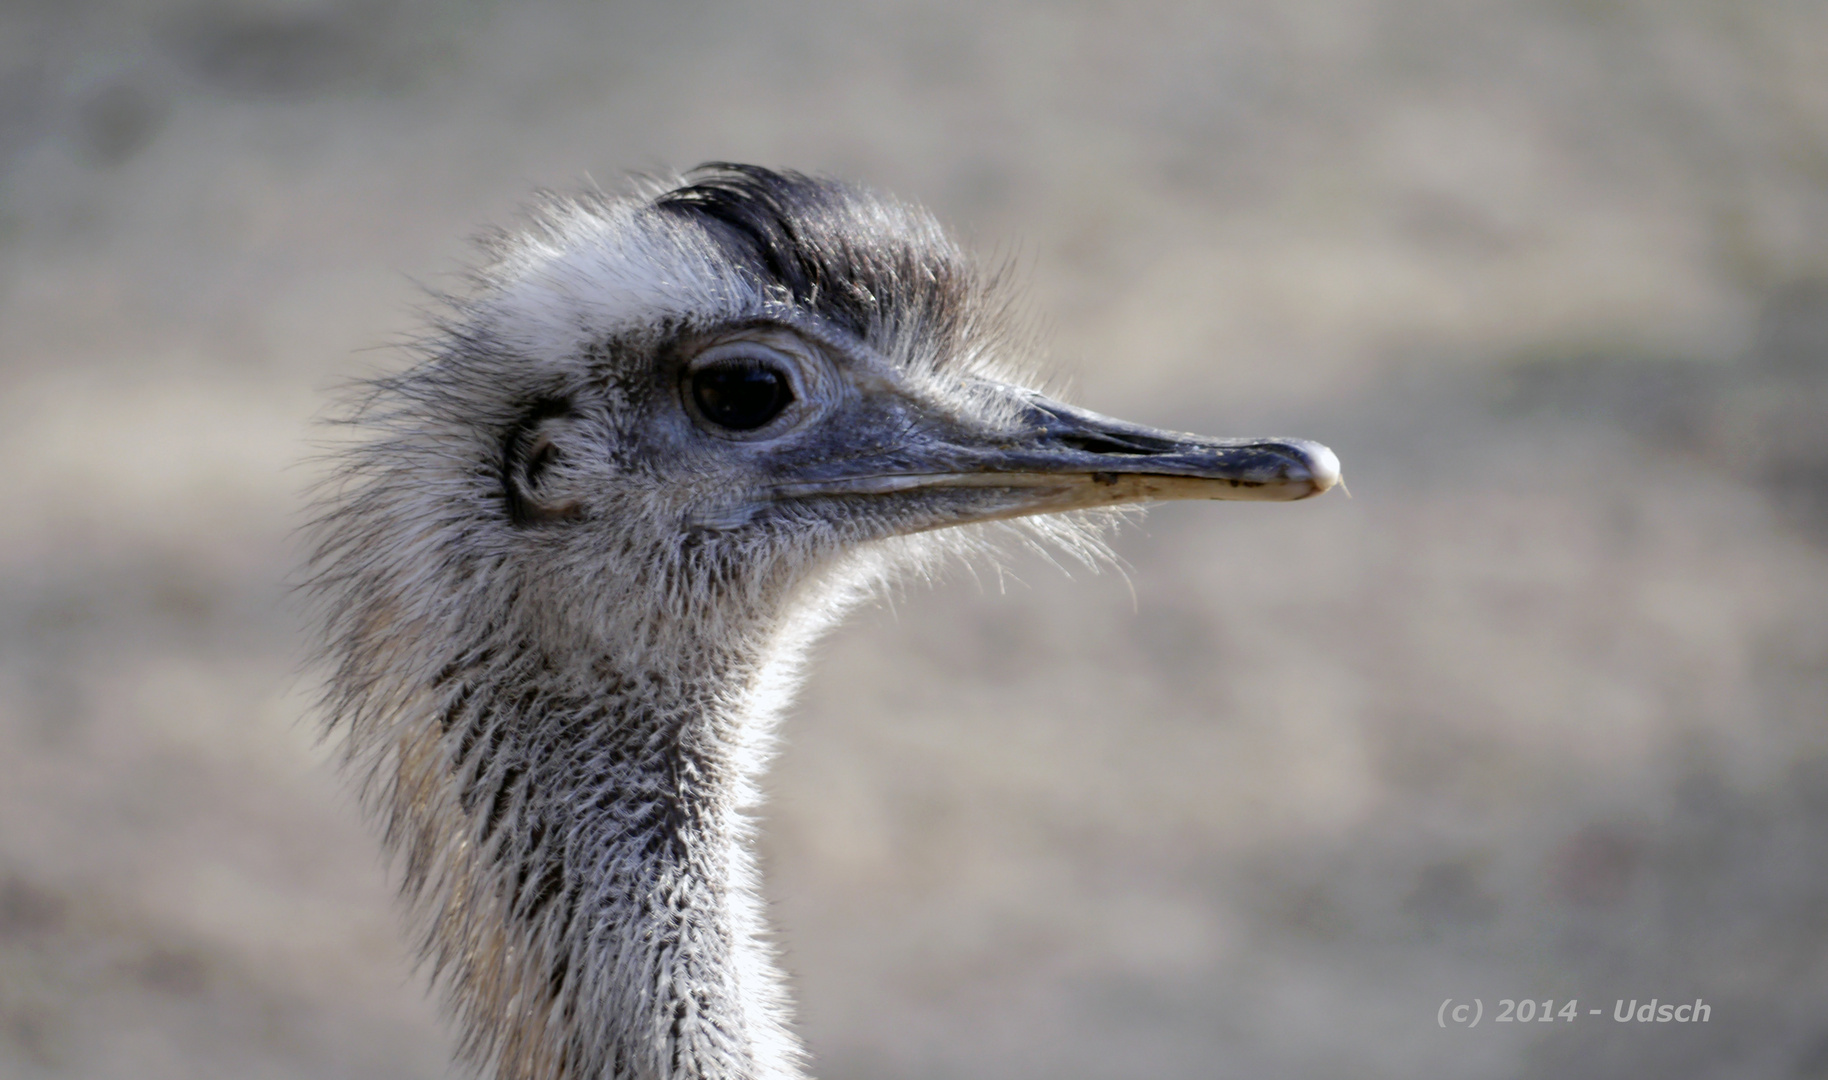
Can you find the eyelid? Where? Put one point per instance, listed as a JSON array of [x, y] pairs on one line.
[[740, 361], [751, 353]]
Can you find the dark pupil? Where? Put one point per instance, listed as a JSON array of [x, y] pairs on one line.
[[741, 397]]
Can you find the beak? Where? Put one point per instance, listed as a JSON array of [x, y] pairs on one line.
[[1057, 457]]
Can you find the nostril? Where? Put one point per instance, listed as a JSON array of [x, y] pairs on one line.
[[1126, 444]]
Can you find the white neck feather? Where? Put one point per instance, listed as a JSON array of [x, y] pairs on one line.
[[575, 839]]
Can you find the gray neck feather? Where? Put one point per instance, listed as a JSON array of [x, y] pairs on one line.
[[575, 847]]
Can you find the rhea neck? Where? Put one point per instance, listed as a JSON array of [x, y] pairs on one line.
[[600, 914]]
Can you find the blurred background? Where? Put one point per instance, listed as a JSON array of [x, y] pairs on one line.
[[1540, 712]]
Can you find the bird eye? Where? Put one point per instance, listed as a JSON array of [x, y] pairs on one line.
[[740, 394]]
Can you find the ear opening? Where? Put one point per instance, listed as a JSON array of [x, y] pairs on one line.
[[530, 452]]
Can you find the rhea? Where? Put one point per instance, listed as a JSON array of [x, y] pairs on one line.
[[569, 566]]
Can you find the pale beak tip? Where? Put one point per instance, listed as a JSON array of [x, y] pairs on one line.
[[1321, 463]]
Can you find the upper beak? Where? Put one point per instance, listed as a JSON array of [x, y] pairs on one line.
[[1057, 457]]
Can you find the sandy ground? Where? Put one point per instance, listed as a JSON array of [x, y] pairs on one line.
[[1541, 712]]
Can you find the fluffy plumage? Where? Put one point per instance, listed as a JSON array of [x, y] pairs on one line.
[[566, 582]]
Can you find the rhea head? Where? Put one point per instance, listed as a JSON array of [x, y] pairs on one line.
[[756, 372]]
